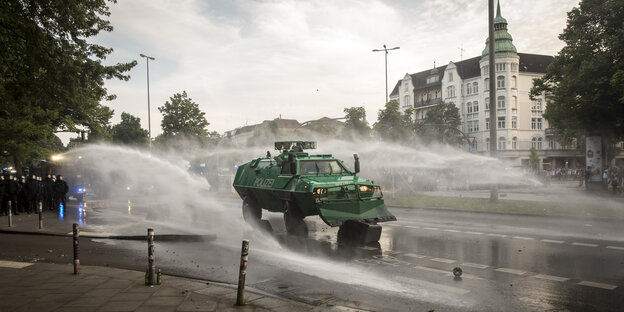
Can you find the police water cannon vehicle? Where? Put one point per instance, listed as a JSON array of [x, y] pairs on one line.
[[299, 185]]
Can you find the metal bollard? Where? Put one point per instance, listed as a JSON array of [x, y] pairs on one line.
[[40, 216], [10, 214], [76, 249], [242, 273], [151, 275]]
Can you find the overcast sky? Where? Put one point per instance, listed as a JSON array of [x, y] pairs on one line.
[[248, 61]]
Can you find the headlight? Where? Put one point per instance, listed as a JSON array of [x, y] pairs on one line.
[[364, 188], [319, 191]]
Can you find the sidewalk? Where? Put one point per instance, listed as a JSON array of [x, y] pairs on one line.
[[53, 287]]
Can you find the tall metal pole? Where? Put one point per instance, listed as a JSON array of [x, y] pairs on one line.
[[493, 108], [385, 50], [149, 119]]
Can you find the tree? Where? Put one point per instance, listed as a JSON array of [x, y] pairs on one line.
[[183, 120], [585, 78], [392, 124], [51, 77], [441, 124], [129, 131], [534, 158], [355, 123]]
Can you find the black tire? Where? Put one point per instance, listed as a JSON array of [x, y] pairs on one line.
[[293, 219], [252, 212]]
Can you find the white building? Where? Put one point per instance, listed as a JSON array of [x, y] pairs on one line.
[[519, 123]]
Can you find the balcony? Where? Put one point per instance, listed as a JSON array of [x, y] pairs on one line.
[[430, 102]]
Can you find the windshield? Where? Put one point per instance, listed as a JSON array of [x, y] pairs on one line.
[[316, 167]]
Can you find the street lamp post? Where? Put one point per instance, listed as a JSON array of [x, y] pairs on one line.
[[149, 119], [386, 58]]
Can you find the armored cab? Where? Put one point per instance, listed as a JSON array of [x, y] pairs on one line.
[[299, 185]]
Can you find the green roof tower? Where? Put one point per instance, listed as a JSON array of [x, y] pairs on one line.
[[503, 42]]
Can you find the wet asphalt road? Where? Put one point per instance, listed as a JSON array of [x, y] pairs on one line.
[[509, 263]]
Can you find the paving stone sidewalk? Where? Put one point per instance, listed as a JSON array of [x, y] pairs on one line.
[[45, 287]]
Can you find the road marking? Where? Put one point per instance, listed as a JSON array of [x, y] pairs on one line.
[[497, 235], [437, 286], [597, 285], [511, 271], [413, 255], [431, 228], [413, 226], [551, 278], [524, 237], [615, 247], [369, 248], [469, 276], [443, 260], [584, 244], [552, 241], [475, 265], [474, 233], [452, 231], [392, 224], [14, 265]]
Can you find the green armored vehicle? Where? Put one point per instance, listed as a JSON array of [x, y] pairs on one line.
[[301, 185]]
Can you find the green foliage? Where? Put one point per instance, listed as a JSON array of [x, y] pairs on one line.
[[534, 158], [392, 125], [355, 123], [585, 78], [183, 124], [441, 125], [51, 77], [129, 131], [183, 117]]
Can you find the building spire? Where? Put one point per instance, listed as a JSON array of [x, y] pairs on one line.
[[503, 42]]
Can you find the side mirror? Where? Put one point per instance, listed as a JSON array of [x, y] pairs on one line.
[[357, 163]]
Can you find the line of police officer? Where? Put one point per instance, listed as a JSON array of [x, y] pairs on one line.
[[24, 194]]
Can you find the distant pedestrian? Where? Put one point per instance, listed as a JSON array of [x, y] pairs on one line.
[[11, 189], [3, 209], [60, 191]]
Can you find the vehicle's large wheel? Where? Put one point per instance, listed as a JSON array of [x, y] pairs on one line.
[[293, 218], [252, 212]]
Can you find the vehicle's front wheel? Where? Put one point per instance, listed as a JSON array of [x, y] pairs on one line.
[[252, 212], [293, 219]]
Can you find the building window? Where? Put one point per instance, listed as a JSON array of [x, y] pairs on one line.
[[475, 126], [485, 70], [487, 104], [514, 102], [487, 144], [536, 123], [514, 82], [514, 143], [551, 144], [502, 144], [501, 102], [501, 122], [514, 122], [487, 123], [432, 79], [536, 143], [475, 106], [514, 67], [500, 67], [406, 86], [451, 91], [469, 107], [438, 94], [475, 87], [406, 100], [469, 88], [450, 76], [537, 105], [486, 84], [500, 82]]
